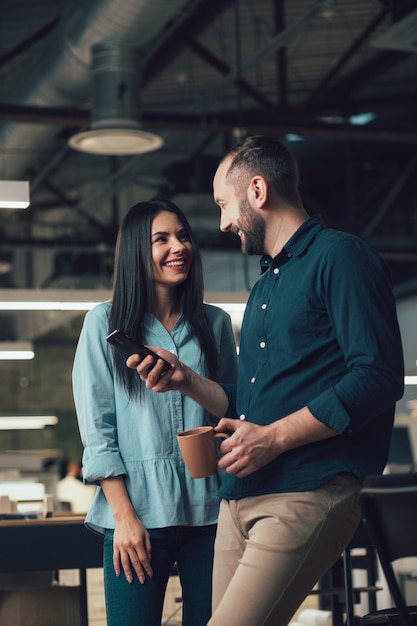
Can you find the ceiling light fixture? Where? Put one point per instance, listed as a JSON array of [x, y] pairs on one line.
[[16, 350], [14, 194], [293, 137], [115, 115], [361, 119]]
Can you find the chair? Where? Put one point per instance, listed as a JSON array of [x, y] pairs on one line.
[[336, 590], [389, 506], [366, 561]]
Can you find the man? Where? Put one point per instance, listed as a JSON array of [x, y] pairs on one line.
[[320, 370]]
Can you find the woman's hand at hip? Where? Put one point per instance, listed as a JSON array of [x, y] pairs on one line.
[[132, 549]]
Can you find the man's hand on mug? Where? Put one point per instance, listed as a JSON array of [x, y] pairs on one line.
[[249, 448]]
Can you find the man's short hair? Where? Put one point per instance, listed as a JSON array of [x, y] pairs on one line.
[[267, 157]]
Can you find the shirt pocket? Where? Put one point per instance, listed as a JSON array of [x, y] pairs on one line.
[[298, 324]]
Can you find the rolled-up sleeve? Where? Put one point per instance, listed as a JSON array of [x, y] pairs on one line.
[[93, 390], [363, 316]]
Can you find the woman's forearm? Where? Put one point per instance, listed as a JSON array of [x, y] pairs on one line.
[[117, 497]]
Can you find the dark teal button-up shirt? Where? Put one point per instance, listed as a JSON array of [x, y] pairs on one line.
[[320, 330]]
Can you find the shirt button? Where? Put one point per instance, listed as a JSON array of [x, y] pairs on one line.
[[242, 417], [276, 270], [263, 306], [262, 344], [253, 379], [177, 402]]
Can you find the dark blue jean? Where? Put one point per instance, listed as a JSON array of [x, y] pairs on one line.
[[133, 604]]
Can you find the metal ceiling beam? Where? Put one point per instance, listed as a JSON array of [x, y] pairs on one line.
[[280, 124], [25, 45], [158, 57], [60, 116], [75, 118], [292, 120], [349, 105], [224, 69], [344, 59], [367, 73], [280, 40], [281, 60], [390, 197]]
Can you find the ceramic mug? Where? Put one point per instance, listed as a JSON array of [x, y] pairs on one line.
[[199, 450]]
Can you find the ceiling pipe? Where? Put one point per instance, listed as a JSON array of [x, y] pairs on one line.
[[60, 75]]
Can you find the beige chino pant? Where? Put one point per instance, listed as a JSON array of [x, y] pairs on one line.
[[271, 550]]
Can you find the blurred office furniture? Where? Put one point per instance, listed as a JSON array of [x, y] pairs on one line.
[[337, 591], [51, 544], [72, 493], [389, 506], [402, 456]]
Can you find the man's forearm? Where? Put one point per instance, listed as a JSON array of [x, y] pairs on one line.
[[298, 429], [252, 446]]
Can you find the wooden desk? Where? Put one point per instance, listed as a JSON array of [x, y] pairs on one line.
[[61, 542]]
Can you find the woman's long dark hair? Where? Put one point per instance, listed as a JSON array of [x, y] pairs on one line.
[[133, 288]]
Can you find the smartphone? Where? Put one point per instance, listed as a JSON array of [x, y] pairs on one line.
[[130, 346]]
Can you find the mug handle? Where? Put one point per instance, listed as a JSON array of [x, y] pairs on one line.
[[220, 436]]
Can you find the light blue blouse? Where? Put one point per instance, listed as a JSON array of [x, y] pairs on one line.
[[137, 438]]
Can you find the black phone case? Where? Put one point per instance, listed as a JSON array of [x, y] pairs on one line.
[[130, 346]]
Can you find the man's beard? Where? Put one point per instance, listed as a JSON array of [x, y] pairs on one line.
[[253, 228]]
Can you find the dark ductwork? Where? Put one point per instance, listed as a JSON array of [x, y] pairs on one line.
[[115, 113], [60, 76]]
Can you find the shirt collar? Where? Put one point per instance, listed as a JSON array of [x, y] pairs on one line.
[[303, 236], [297, 244], [265, 262]]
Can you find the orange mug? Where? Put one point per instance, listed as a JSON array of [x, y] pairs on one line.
[[198, 449]]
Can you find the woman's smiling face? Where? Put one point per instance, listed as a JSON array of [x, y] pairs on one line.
[[172, 252]]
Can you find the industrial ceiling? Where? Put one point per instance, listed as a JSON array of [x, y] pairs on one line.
[[334, 79]]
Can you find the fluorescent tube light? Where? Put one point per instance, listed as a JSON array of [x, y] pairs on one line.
[[51, 299], [46, 306], [14, 194], [230, 307], [16, 350], [410, 380], [27, 422], [85, 299]]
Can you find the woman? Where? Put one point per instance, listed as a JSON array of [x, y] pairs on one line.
[[151, 512]]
